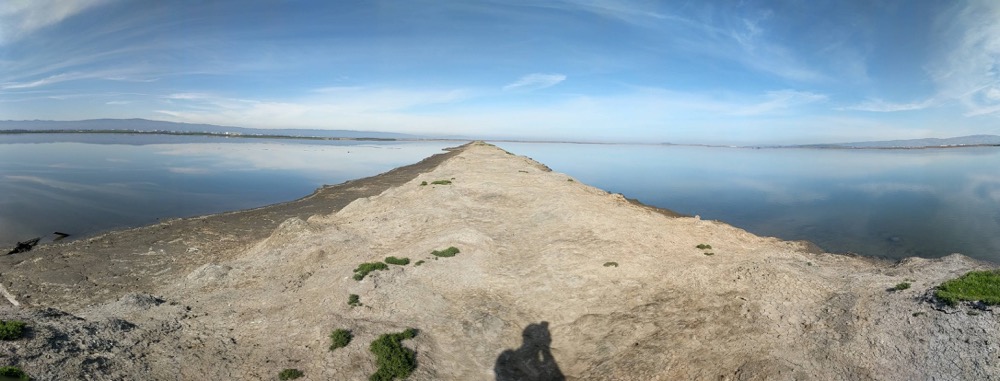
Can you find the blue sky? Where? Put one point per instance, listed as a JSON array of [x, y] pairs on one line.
[[730, 72]]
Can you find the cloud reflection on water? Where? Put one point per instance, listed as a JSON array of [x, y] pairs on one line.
[[891, 203], [84, 188]]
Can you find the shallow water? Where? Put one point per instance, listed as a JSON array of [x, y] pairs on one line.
[[882, 203], [118, 181]]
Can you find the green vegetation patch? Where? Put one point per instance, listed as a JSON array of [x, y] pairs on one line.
[[441, 182], [449, 252], [708, 253], [13, 372], [703, 246], [901, 286], [340, 338], [393, 359], [981, 286], [423, 183], [367, 267], [397, 261], [11, 329], [420, 262], [354, 300], [610, 264], [290, 374]]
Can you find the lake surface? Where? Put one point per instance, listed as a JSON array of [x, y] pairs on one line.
[[83, 184], [881, 203]]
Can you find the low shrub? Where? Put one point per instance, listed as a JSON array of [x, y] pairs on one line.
[[354, 300], [367, 267], [13, 372], [11, 329], [422, 183], [982, 286], [340, 338], [420, 262], [901, 286], [392, 358], [703, 246], [708, 253], [449, 252], [441, 182], [397, 261], [609, 264], [290, 374]]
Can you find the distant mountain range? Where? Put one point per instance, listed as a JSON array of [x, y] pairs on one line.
[[144, 125], [961, 141]]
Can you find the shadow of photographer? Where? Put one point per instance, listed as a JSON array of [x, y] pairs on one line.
[[533, 361]]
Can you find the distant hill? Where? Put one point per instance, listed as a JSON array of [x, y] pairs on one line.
[[972, 140], [157, 125]]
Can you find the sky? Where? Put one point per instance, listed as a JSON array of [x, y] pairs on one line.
[[715, 72]]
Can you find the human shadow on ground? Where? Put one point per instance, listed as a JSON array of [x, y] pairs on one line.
[[533, 361]]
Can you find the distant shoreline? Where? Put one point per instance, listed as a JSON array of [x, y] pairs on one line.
[[212, 134], [376, 139]]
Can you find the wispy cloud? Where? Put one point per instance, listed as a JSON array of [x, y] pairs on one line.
[[41, 82], [21, 18], [738, 36], [969, 70], [188, 170], [780, 100], [629, 12], [879, 105], [189, 96], [535, 81], [330, 107]]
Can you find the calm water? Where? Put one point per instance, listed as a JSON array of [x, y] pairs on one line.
[[883, 203], [115, 181]]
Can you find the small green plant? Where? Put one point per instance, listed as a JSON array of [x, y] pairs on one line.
[[11, 329], [441, 182], [367, 267], [916, 314], [901, 286], [340, 338], [708, 253], [420, 262], [354, 300], [290, 374], [449, 252], [397, 261], [393, 359], [609, 264], [703, 246], [423, 183], [983, 286], [13, 372], [570, 180]]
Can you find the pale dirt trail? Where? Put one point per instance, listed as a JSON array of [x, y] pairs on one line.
[[529, 292]]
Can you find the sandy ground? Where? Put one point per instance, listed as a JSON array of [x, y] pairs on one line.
[[531, 295]]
